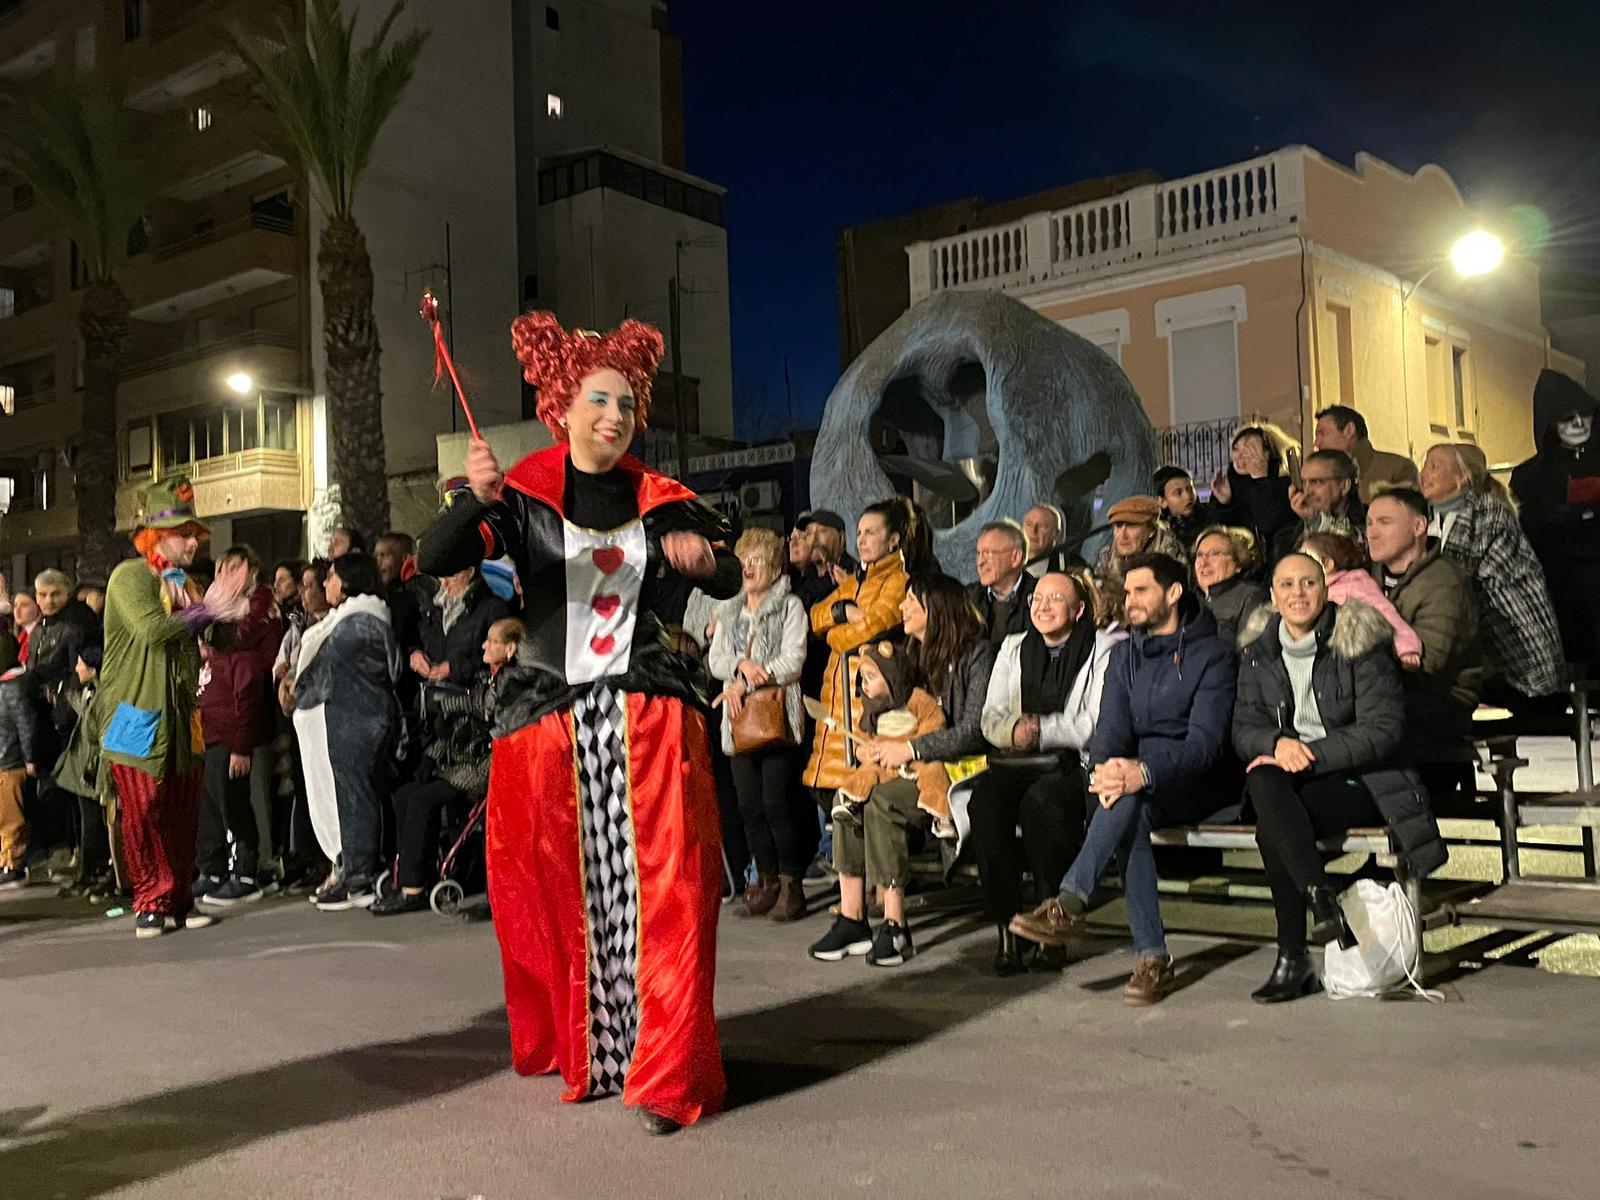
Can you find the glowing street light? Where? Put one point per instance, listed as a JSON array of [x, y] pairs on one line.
[[1476, 253], [241, 382]]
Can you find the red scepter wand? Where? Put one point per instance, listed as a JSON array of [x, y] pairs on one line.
[[442, 361]]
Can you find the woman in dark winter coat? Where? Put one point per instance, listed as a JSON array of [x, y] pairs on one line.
[[344, 695], [955, 657], [1319, 704], [1252, 492], [1222, 556]]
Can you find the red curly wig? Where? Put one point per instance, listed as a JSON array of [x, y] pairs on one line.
[[555, 361]]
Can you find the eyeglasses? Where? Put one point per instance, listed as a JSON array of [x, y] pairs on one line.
[[1051, 598], [1212, 554], [996, 553]]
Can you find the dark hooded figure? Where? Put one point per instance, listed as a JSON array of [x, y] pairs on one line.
[[1558, 490]]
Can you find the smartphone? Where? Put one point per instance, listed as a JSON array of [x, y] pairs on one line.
[[1294, 469]]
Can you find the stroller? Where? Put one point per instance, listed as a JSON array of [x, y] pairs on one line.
[[455, 761]]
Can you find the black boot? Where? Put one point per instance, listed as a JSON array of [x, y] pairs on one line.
[[1292, 976], [1327, 918], [657, 1125], [1008, 959]]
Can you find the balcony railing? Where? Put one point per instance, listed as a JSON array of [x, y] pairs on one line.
[[1261, 197], [150, 364], [202, 237], [281, 461], [1201, 448]]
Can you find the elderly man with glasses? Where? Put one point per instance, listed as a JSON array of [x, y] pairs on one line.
[[1003, 590]]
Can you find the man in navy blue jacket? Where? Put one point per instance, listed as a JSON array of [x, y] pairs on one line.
[[1162, 731]]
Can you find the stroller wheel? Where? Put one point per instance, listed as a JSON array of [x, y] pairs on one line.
[[383, 884], [446, 897]]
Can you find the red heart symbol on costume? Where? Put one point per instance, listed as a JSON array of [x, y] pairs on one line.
[[608, 559], [603, 645], [605, 604]]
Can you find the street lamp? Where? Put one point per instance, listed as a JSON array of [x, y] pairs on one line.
[[241, 382]]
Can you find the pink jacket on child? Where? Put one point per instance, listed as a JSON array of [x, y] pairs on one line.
[[1358, 585]]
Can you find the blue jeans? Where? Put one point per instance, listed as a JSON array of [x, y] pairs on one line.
[[1123, 831]]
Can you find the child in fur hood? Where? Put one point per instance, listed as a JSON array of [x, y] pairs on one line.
[[894, 707]]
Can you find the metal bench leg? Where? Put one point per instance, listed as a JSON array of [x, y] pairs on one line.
[[1412, 886], [1509, 859], [1585, 775]]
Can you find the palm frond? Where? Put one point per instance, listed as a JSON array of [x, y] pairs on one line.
[[330, 97], [91, 159]]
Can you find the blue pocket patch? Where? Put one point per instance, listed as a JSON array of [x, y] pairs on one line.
[[131, 731]]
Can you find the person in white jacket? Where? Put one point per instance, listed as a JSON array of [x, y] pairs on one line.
[[1043, 700]]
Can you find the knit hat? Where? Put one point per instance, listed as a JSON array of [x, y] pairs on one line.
[[1134, 510], [168, 504]]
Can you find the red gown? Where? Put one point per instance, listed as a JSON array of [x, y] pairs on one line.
[[603, 835]]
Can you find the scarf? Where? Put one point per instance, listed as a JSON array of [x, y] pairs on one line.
[[450, 607], [1047, 677]]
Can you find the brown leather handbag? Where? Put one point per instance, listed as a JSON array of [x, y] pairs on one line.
[[763, 722]]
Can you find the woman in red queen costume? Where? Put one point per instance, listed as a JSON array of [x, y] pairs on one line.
[[604, 843]]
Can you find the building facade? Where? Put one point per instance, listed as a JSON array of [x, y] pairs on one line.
[[511, 104], [1276, 287]]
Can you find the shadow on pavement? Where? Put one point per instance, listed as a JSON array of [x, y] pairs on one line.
[[777, 1051], [89, 1153]]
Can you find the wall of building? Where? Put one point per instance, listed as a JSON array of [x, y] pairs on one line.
[[613, 255], [447, 155], [604, 64]]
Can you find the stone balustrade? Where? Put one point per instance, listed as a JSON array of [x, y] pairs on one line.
[[1259, 198]]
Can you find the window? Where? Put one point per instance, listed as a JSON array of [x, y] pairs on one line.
[[1203, 352], [44, 480], [140, 457], [1433, 373], [1107, 330], [200, 433], [138, 238], [1458, 380], [79, 268], [133, 17], [552, 106], [1342, 364], [530, 287], [8, 303], [201, 117], [8, 399], [552, 19]]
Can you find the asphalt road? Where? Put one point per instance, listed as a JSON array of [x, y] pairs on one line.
[[296, 1054]]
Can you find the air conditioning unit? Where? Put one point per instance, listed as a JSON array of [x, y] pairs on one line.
[[760, 496]]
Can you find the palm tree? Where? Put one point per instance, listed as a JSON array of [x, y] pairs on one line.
[[330, 99], [94, 162]]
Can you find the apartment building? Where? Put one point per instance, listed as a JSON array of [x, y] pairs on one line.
[[535, 162], [1278, 286]]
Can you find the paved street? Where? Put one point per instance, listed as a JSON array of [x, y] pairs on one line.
[[290, 1053]]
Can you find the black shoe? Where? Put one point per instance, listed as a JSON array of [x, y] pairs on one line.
[[1049, 958], [75, 891], [1292, 976], [241, 889], [1009, 959], [13, 879], [657, 1125], [820, 869], [149, 925], [103, 889], [204, 885], [397, 901], [844, 937], [847, 811], [346, 895], [891, 947], [1328, 922]]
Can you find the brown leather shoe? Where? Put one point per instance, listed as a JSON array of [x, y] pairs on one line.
[[1150, 982], [760, 897], [1049, 924], [791, 904]]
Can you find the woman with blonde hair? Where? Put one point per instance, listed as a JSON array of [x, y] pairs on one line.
[[1472, 515], [1223, 557], [760, 642]]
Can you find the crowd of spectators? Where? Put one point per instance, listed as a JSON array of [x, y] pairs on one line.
[[1301, 644]]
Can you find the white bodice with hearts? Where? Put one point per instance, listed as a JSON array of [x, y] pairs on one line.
[[605, 572]]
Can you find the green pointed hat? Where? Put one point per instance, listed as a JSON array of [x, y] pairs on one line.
[[168, 504]]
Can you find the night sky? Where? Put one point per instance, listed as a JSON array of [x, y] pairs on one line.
[[822, 115]]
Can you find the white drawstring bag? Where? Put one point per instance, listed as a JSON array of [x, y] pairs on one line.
[[1386, 955]]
